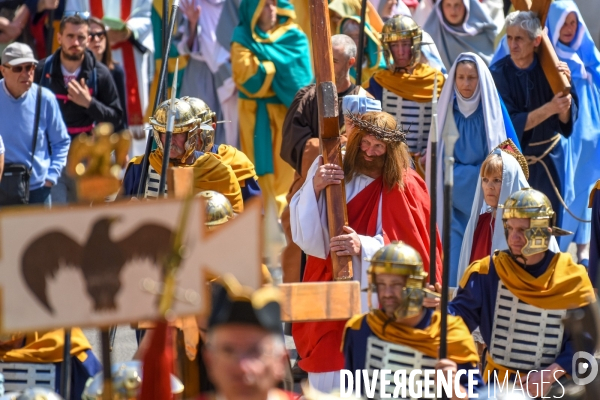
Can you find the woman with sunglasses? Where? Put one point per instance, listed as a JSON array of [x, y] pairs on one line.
[[99, 45]]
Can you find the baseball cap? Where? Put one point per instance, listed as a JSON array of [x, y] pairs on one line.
[[18, 53]]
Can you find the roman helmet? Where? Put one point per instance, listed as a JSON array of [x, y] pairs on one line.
[[185, 124], [398, 258], [205, 118], [126, 380], [218, 208], [397, 28], [534, 205]]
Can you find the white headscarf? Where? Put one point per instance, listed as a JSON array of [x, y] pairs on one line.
[[513, 179], [492, 115]]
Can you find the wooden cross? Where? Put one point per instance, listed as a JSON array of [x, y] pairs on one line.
[[329, 132], [319, 301], [548, 58]]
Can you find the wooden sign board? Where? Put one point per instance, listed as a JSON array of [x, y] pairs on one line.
[[82, 266], [319, 301]]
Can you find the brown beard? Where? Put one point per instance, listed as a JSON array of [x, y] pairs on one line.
[[373, 168]]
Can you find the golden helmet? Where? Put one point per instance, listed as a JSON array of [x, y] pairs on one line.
[[218, 208], [206, 117], [127, 382], [398, 258], [397, 28], [534, 205], [185, 123]]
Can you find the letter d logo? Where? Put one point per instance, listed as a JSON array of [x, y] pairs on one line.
[[581, 368]]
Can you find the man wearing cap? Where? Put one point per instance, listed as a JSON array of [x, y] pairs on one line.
[[300, 145], [18, 99], [402, 332], [245, 353], [84, 88]]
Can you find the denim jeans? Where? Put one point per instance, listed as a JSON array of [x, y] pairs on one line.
[[64, 191], [41, 196]]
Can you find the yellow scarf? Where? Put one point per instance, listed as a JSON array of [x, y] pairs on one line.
[[238, 161], [461, 348], [209, 174], [417, 87], [564, 285], [47, 347]]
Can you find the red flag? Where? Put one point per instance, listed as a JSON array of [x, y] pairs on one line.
[[158, 365]]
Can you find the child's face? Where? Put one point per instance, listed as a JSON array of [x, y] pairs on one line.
[[491, 185]]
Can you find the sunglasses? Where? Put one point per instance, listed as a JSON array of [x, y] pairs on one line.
[[97, 35], [17, 69], [83, 14]]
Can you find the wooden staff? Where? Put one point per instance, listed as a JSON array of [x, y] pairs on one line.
[[433, 188], [160, 89], [548, 59], [361, 42], [329, 132]]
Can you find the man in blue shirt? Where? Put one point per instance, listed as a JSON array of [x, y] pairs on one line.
[[18, 97]]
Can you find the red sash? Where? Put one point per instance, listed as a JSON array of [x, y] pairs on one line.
[[405, 216], [132, 93]]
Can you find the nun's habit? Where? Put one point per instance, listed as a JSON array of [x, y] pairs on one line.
[[482, 126]]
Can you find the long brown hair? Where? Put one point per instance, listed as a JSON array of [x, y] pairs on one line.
[[397, 159], [107, 56]]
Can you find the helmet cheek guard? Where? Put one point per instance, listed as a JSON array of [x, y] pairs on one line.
[[400, 259], [185, 123], [531, 204], [397, 28]]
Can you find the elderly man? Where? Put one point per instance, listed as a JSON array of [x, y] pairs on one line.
[[518, 296], [43, 151], [386, 200], [402, 326], [244, 353], [300, 144], [405, 88], [539, 116]]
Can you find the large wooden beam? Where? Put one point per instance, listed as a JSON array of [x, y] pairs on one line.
[[319, 301], [329, 132], [548, 59]]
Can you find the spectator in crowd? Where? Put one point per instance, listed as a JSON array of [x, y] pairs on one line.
[[86, 92], [99, 45], [18, 98]]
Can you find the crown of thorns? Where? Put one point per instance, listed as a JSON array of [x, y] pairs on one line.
[[381, 133]]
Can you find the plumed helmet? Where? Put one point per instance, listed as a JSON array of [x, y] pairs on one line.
[[205, 117], [398, 258], [218, 208], [127, 382], [397, 28], [185, 124], [532, 204]]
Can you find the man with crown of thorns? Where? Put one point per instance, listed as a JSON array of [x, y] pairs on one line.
[[386, 201]]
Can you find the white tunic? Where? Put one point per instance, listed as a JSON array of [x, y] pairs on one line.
[[308, 218]]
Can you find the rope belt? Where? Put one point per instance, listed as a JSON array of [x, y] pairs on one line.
[[531, 160]]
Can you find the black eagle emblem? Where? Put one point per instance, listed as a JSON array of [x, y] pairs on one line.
[[100, 259]]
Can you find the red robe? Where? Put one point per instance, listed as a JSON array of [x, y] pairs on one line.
[[482, 237], [404, 216]]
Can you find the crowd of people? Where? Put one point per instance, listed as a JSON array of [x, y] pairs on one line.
[[460, 74]]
